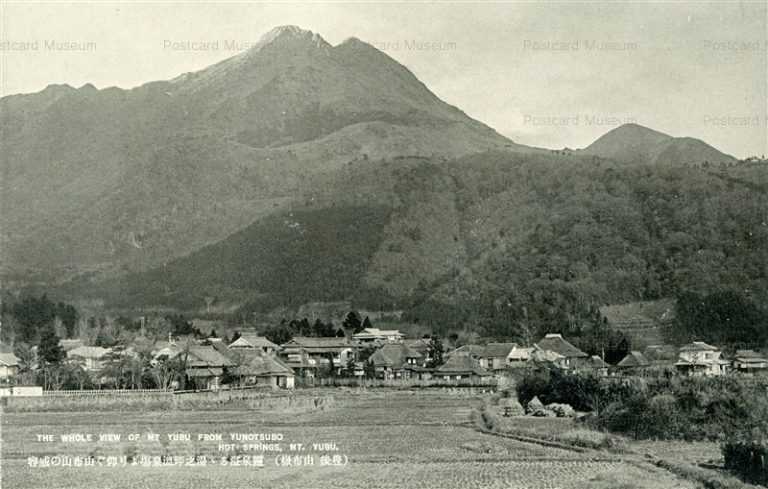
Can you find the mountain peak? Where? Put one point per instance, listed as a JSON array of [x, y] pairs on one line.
[[290, 34], [633, 143], [632, 128]]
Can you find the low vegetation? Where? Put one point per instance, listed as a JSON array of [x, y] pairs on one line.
[[732, 411]]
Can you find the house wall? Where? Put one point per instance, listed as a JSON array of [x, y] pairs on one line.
[[6, 371], [286, 382], [750, 365], [711, 358], [21, 391]]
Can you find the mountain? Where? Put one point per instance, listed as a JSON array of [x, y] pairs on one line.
[[635, 144], [112, 181], [299, 172]]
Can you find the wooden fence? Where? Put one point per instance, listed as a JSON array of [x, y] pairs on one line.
[[401, 383], [104, 392]]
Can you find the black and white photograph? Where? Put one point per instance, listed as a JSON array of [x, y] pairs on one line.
[[385, 244]]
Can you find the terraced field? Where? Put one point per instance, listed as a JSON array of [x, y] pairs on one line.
[[389, 440]]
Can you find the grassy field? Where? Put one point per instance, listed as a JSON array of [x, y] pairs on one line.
[[390, 440]]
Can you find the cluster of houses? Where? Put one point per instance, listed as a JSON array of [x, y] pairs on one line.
[[696, 358], [253, 360]]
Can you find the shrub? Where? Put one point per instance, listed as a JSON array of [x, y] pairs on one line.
[[686, 408], [590, 439], [543, 413], [747, 460], [562, 410], [489, 419]]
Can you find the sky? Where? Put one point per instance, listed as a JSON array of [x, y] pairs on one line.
[[554, 74]]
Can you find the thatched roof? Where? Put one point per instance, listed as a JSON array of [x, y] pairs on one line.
[[544, 356], [634, 359], [596, 362], [497, 350], [461, 364], [257, 364], [557, 344], [198, 372], [395, 355], [206, 357]]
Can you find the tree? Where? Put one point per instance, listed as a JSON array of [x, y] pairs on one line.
[[76, 376], [54, 376], [26, 363], [68, 315], [436, 351], [366, 324], [33, 315], [168, 369], [48, 349], [179, 325], [352, 322], [282, 333], [322, 329], [369, 370]]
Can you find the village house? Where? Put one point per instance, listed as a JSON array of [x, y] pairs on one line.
[[546, 358], [573, 358], [501, 356], [462, 368], [258, 368], [421, 345], [308, 354], [205, 366], [519, 356], [9, 367], [371, 335], [597, 365], [750, 362], [92, 358], [254, 341], [699, 358], [494, 356], [397, 361], [633, 363]]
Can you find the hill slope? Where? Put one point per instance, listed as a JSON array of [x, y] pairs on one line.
[[117, 180], [453, 241]]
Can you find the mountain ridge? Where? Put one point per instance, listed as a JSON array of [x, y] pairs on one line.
[[232, 141], [108, 183]]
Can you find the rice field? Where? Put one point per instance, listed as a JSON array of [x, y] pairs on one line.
[[381, 440]]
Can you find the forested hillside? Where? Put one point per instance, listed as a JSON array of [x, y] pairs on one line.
[[509, 243]]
